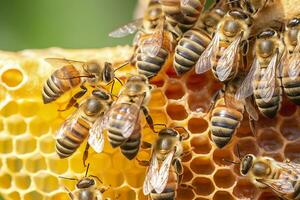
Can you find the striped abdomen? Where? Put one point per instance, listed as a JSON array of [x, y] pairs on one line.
[[291, 87], [74, 136], [60, 82], [189, 49], [268, 109], [132, 145], [170, 191], [224, 122], [220, 52], [150, 66]]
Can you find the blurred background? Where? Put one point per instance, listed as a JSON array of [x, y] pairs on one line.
[[62, 23]]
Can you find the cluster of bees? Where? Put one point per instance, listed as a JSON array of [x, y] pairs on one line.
[[218, 39]]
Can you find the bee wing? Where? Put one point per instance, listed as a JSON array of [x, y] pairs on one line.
[[250, 109], [204, 62], [68, 125], [127, 29], [293, 63], [266, 86], [184, 2], [96, 137], [227, 60], [163, 174], [291, 169], [61, 62], [151, 175], [281, 186], [246, 88]]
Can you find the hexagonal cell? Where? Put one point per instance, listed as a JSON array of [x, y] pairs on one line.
[[10, 108], [57, 165], [102, 162], [157, 99], [176, 112], [12, 77], [158, 116], [22, 181], [246, 146], [16, 125], [269, 140], [290, 129], [33, 195], [196, 83], [1, 125], [244, 130], [158, 80], [174, 90], [170, 71], [245, 189], [5, 181], [5, 144], [203, 186], [224, 178], [50, 109], [292, 151], [220, 154], [185, 193], [113, 178], [223, 195], [188, 175], [268, 196], [47, 144], [26, 144], [288, 108], [29, 108], [14, 196], [125, 192], [120, 162], [138, 180], [45, 182], [197, 125], [201, 144], [14, 164], [38, 126], [35, 163], [277, 156], [74, 166], [198, 102], [60, 196], [202, 165], [265, 122]]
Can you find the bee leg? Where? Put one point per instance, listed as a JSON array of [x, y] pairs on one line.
[[148, 118], [183, 185], [85, 154], [252, 126], [73, 100], [146, 145], [70, 193], [214, 99], [144, 163], [245, 47], [178, 166]]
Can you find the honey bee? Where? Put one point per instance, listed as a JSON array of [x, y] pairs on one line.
[[73, 73], [122, 119], [165, 168], [281, 177], [182, 14], [263, 78], [195, 40], [78, 126], [291, 68], [87, 188], [227, 113], [224, 53]]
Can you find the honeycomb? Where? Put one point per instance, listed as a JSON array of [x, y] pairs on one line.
[[29, 166]]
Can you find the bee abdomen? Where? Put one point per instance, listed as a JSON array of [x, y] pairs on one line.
[[131, 147], [164, 196], [65, 147], [59, 82], [224, 123], [115, 137], [292, 89], [189, 49], [150, 66], [296, 194]]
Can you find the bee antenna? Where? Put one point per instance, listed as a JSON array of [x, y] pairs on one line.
[[96, 177], [230, 161], [186, 135], [72, 179], [121, 66], [238, 152], [87, 170]]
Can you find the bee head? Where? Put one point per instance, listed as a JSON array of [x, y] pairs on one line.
[[293, 31], [246, 164], [85, 183]]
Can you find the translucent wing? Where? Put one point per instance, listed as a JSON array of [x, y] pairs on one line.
[[136, 38], [246, 88], [267, 83], [291, 169], [294, 63], [68, 125], [184, 2], [151, 175], [61, 62], [281, 186], [127, 29], [204, 62], [96, 137], [251, 110], [163, 174], [228, 60]]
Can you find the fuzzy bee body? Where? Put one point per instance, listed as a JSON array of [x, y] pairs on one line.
[[132, 145]]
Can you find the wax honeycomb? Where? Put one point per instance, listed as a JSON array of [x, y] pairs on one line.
[[29, 166]]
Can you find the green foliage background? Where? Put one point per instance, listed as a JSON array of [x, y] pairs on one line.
[[28, 24]]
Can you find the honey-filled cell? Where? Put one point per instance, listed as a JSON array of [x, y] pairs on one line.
[[10, 108], [22, 181], [25, 144], [224, 178], [197, 125], [289, 129], [245, 189], [202, 165], [177, 112], [174, 90], [203, 186], [12, 77], [29, 108], [200, 144], [223, 195], [16, 125], [5, 181], [14, 164], [33, 195], [269, 140], [46, 182]]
